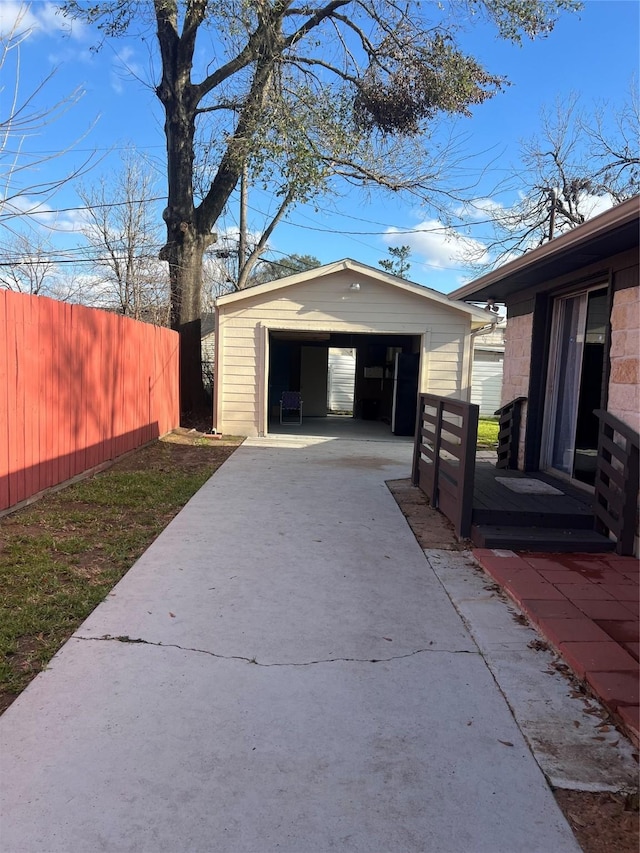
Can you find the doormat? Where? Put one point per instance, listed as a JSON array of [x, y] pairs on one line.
[[528, 486]]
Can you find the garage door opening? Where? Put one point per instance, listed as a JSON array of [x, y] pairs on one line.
[[345, 378]]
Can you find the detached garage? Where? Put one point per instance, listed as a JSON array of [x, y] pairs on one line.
[[277, 337]]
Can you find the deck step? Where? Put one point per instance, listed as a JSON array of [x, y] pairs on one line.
[[549, 539], [528, 518]]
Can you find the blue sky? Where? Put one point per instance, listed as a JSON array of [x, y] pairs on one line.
[[594, 53]]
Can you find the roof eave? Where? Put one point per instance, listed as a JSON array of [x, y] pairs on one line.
[[617, 219], [478, 316]]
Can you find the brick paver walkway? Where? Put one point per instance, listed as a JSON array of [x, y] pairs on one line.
[[586, 606]]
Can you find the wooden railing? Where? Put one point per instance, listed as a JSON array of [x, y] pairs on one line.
[[509, 433], [616, 488], [444, 456]]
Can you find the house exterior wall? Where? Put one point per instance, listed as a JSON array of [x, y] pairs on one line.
[[623, 396], [516, 369], [624, 400], [327, 304], [517, 358]]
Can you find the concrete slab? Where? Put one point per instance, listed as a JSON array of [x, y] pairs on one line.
[[305, 541], [167, 750], [282, 670], [563, 729]]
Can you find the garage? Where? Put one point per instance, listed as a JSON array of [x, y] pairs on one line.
[[280, 338]]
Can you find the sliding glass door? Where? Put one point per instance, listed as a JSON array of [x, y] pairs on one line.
[[575, 384]]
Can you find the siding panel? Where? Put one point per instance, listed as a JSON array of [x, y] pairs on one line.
[[327, 304]]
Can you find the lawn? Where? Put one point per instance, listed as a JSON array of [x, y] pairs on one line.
[[487, 432], [60, 556]]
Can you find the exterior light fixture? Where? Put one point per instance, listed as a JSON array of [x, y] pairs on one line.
[[355, 286]]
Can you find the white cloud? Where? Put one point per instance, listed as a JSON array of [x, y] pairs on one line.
[[479, 209], [16, 20], [124, 67], [593, 205], [36, 211], [23, 20], [73, 54], [439, 246]]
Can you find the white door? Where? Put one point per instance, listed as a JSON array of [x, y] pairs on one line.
[[314, 367]]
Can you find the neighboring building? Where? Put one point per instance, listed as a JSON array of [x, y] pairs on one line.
[[486, 374], [208, 349], [573, 340], [276, 337]]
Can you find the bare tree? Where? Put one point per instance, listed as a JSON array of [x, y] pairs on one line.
[[30, 264], [272, 269], [27, 265], [367, 76], [579, 163], [22, 118], [124, 238]]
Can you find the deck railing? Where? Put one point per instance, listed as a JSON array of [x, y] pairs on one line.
[[509, 433], [616, 487], [444, 456]]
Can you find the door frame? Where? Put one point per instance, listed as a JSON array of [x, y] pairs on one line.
[[265, 328], [551, 406]]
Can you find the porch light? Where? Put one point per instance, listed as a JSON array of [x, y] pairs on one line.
[[355, 286]]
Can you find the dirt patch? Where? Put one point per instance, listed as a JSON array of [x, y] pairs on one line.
[[430, 527], [183, 449], [602, 822]]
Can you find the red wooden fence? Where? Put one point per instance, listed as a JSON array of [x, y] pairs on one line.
[[78, 387]]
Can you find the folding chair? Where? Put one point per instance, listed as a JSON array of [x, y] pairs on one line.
[[290, 408]]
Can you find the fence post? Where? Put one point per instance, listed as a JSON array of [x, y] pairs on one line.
[[417, 441], [433, 497], [468, 465]]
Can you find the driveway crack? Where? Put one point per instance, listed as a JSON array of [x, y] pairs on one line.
[[256, 662]]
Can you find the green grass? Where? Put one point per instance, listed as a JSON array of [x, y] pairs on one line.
[[60, 556], [487, 432]]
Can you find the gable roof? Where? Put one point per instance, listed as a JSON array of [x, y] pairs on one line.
[[614, 231], [478, 315]]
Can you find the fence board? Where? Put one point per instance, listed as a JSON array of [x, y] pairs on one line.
[[15, 439], [78, 387], [4, 411], [448, 483], [31, 420]]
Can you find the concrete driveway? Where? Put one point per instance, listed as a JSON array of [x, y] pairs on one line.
[[281, 671]]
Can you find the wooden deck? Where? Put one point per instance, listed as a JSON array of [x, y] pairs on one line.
[[465, 486], [494, 503], [502, 518]]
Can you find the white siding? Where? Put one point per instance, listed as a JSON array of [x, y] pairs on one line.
[[342, 367], [486, 382], [327, 304]]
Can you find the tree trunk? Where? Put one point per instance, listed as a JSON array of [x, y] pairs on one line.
[[185, 274]]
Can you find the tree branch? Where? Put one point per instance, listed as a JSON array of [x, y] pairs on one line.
[[262, 242]]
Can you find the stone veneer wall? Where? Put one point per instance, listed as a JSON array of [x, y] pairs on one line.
[[624, 398], [517, 367]]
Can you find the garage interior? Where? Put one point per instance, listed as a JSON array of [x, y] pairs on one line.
[[386, 376]]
